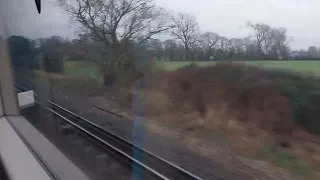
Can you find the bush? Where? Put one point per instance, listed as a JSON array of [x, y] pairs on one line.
[[247, 90], [275, 100], [304, 94], [54, 65]]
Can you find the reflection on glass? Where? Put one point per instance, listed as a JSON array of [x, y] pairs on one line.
[[214, 87]]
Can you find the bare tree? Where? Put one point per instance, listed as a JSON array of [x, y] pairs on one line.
[[222, 43], [279, 43], [261, 34], [186, 30], [208, 41], [239, 45], [154, 46], [196, 52], [115, 23], [170, 48]]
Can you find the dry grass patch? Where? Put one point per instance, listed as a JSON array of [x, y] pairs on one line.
[[156, 103]]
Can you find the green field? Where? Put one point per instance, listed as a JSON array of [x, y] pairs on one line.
[[90, 70], [312, 67], [82, 69]]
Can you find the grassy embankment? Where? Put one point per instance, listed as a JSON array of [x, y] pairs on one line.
[[286, 92]]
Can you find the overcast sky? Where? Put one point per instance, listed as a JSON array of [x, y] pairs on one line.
[[226, 17]]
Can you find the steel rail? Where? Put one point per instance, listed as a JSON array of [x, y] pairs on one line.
[[150, 163]]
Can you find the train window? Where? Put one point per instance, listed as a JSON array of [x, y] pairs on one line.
[[171, 89]]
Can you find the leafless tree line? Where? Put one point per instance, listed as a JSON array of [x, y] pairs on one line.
[[187, 42], [312, 53], [112, 29], [114, 23]]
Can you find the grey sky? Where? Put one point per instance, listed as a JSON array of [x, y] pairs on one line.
[[22, 18], [226, 17]]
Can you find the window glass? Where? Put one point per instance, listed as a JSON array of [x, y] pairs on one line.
[[203, 89], [2, 43]]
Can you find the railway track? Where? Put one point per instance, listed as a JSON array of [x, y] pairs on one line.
[[147, 164]]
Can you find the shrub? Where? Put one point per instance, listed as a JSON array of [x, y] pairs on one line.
[[54, 65], [275, 100], [247, 90], [304, 94]]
